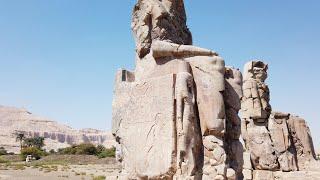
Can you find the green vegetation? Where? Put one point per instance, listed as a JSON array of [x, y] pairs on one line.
[[99, 178], [3, 161], [33, 151], [88, 149], [107, 153], [37, 142], [83, 149], [33, 146], [30, 146], [100, 148], [3, 151], [20, 137]]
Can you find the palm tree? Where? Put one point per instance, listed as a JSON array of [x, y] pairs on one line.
[[38, 142], [20, 137], [28, 142]]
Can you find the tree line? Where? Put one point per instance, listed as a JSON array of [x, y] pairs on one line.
[[34, 146]]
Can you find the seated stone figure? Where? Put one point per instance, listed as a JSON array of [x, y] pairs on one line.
[[160, 29], [167, 36], [169, 114]]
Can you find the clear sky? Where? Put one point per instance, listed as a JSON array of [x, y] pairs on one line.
[[58, 58]]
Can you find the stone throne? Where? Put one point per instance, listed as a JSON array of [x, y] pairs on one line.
[[169, 115]]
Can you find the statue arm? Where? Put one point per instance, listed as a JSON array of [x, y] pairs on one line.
[[165, 49]]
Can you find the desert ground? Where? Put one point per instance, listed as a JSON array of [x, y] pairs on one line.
[[54, 167], [85, 167]]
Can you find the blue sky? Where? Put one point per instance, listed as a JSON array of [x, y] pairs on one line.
[[58, 58]]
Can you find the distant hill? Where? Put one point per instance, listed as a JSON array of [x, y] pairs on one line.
[[56, 135]]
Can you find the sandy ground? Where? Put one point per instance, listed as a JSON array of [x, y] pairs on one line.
[[22, 171], [59, 172]]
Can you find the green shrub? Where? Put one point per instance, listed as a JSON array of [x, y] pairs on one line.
[[68, 150], [99, 178], [107, 153], [33, 151], [3, 151], [81, 149], [37, 142], [87, 149], [52, 151], [100, 149], [3, 160]]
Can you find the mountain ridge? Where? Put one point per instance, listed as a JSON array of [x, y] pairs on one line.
[[57, 135]]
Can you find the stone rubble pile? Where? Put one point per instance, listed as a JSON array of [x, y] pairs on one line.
[[177, 115]]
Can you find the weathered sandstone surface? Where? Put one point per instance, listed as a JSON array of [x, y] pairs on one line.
[[169, 114], [13, 120], [176, 116], [274, 141]]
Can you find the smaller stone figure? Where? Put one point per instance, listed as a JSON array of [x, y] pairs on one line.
[[255, 111], [256, 96]]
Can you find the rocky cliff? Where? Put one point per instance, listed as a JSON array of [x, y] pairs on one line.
[[13, 120]]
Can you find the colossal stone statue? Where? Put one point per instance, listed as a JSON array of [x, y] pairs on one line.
[[169, 115], [176, 116]]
